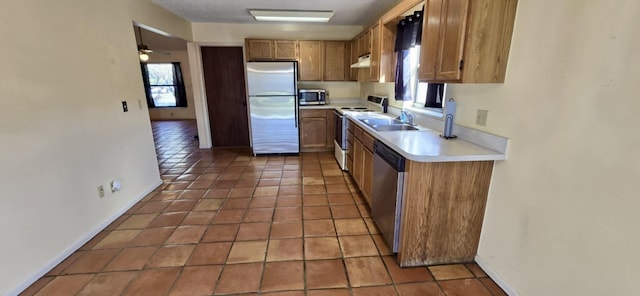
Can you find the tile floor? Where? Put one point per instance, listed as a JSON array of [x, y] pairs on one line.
[[227, 223]]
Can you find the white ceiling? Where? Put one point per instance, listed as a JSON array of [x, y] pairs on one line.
[[347, 12]]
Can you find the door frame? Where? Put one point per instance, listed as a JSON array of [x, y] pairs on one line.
[[199, 91]]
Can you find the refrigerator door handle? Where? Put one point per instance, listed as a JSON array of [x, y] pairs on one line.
[[296, 114]]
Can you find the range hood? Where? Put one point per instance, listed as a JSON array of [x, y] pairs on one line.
[[363, 62]]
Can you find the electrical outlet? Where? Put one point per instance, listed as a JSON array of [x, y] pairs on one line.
[[481, 117], [100, 191]]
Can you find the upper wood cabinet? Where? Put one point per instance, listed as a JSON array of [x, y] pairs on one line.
[[374, 69], [353, 72], [310, 61], [285, 49], [335, 61], [267, 50], [259, 49], [466, 41]]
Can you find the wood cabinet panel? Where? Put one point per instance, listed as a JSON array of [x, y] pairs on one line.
[[355, 54], [374, 69], [310, 61], [356, 172], [452, 37], [258, 49], [305, 113], [313, 133], [335, 57], [361, 165], [317, 130], [443, 210], [367, 174], [285, 50], [331, 129], [466, 41]]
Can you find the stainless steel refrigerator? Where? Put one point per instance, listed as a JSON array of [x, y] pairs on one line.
[[273, 107]]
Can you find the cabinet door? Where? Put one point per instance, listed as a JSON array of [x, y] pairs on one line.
[[430, 46], [353, 72], [366, 42], [356, 173], [334, 61], [313, 132], [367, 174], [374, 69], [331, 129], [259, 49], [286, 50], [454, 24], [310, 60]]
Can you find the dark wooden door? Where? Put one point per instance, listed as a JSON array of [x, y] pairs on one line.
[[226, 96]]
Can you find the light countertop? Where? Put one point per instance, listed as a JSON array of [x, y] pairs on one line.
[[426, 145]]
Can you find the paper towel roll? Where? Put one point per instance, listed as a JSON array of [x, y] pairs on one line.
[[449, 116]]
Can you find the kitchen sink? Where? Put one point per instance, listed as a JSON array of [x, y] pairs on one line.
[[394, 127], [387, 124], [380, 121]]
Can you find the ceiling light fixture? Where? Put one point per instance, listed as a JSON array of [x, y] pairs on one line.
[[313, 16]]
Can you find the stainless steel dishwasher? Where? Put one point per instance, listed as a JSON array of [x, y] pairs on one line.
[[388, 186]]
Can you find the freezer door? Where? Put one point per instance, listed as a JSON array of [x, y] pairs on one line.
[[271, 78], [274, 127]]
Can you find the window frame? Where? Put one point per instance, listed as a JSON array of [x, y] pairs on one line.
[[178, 85]]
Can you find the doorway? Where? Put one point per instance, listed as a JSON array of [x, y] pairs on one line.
[[224, 79]]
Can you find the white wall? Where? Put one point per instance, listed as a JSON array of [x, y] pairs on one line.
[[66, 65], [175, 113], [562, 214]]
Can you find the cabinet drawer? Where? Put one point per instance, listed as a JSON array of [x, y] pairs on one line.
[[367, 140], [350, 125], [312, 113]]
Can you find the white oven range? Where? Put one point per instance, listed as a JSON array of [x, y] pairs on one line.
[[375, 104]]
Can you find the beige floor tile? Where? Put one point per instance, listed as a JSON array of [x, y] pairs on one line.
[[283, 275], [196, 280], [244, 252], [351, 227], [239, 278], [326, 274], [450, 272], [285, 249], [367, 271], [321, 248], [170, 256]]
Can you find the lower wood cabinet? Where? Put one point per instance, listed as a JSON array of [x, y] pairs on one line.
[[443, 205], [442, 211], [361, 168], [316, 130]]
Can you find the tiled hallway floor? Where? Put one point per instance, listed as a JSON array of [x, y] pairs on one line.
[[225, 222]]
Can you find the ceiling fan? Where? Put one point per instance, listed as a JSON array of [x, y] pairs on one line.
[[144, 51]]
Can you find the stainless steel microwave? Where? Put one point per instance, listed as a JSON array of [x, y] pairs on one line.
[[312, 96]]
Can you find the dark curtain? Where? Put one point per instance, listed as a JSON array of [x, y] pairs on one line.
[[408, 35], [147, 86], [435, 93], [181, 93]]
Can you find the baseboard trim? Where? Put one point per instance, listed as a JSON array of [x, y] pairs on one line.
[[495, 276], [78, 244]]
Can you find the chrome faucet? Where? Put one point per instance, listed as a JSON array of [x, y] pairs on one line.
[[406, 117]]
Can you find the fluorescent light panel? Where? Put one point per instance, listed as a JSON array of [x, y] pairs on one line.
[[291, 15]]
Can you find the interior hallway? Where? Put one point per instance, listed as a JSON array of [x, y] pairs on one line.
[[224, 222]]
